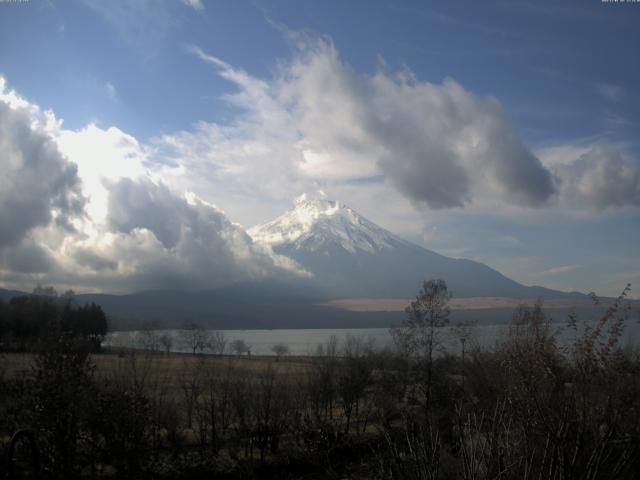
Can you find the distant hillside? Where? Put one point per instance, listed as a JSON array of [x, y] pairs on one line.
[[255, 306], [7, 295]]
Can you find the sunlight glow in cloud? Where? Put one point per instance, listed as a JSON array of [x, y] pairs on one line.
[[80, 209]]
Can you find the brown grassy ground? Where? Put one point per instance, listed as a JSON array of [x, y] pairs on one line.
[[169, 369]]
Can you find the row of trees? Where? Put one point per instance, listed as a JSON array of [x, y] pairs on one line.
[[196, 339], [525, 409], [27, 321]]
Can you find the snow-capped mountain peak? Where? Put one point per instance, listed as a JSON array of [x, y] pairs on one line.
[[319, 224], [351, 257]]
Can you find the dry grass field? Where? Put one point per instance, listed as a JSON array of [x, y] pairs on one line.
[[166, 372]]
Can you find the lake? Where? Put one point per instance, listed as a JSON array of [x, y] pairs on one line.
[[306, 341]]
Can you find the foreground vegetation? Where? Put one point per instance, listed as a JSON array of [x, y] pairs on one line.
[[526, 409]]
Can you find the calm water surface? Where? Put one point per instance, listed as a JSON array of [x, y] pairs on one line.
[[306, 341]]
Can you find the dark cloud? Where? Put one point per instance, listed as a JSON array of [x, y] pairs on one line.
[[433, 178], [95, 262], [36, 179], [28, 258], [144, 204], [443, 146]]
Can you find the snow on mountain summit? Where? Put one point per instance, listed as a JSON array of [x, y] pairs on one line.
[[321, 225]]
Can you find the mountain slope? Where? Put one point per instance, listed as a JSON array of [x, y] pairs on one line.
[[351, 256]]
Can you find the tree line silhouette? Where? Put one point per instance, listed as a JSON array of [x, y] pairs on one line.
[[28, 322]]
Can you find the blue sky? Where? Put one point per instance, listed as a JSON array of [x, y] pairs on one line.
[[547, 63], [192, 84]]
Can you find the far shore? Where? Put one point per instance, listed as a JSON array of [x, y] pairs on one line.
[[470, 303]]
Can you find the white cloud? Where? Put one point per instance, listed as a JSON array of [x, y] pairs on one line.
[[38, 185], [558, 270], [197, 5], [136, 233], [160, 239], [44, 121], [603, 177], [509, 241], [563, 153], [111, 90], [102, 155], [318, 121]]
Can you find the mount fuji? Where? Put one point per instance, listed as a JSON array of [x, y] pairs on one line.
[[350, 256]]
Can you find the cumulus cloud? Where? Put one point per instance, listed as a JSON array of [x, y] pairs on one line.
[[600, 178], [92, 261], [135, 232], [38, 185], [171, 240], [146, 205], [318, 120], [443, 146], [317, 123], [152, 238], [102, 155]]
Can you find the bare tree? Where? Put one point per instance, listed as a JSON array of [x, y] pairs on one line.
[[148, 338], [217, 343], [239, 346], [419, 333], [167, 342], [280, 350], [194, 337]]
